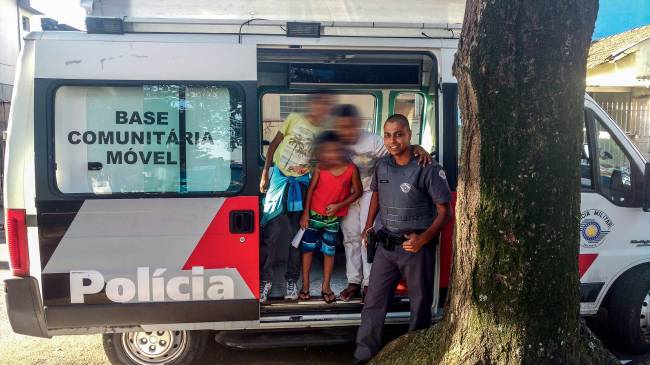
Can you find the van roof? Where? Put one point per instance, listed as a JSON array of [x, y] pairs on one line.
[[387, 11]]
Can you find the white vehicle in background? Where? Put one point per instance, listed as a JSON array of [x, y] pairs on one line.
[[132, 174]]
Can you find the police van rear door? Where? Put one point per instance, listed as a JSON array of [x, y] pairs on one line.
[[146, 181]]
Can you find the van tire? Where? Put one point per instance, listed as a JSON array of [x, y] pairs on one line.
[[193, 345], [627, 298]]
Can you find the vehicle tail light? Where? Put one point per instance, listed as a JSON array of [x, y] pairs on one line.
[[16, 231]]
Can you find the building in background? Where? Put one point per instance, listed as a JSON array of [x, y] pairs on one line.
[[618, 78], [17, 19]]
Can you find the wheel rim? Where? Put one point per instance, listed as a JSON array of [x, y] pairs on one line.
[[644, 318], [154, 347]]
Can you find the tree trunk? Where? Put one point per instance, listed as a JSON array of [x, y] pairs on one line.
[[521, 69]]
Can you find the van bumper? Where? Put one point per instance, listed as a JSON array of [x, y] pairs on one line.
[[25, 307]]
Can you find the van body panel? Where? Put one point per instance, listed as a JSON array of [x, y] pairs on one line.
[[111, 60], [150, 242], [620, 247], [118, 258], [19, 175]]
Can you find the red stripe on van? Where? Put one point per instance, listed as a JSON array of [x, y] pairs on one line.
[[220, 249], [584, 262], [446, 238]]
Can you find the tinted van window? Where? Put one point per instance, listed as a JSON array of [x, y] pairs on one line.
[[147, 139]]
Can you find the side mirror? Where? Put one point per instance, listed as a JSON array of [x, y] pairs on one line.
[[585, 151], [646, 188], [606, 155]]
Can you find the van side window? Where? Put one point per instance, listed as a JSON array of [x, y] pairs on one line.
[[148, 139], [411, 105], [586, 170], [614, 167]]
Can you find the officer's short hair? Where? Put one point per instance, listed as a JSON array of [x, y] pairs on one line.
[[346, 111], [400, 119]]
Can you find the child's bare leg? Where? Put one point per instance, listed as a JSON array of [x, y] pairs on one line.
[[306, 268], [328, 267]]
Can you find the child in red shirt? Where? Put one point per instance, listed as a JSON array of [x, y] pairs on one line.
[[335, 184]]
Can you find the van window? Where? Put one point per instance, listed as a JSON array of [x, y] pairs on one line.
[[148, 139], [411, 105], [586, 171], [277, 106], [614, 167]]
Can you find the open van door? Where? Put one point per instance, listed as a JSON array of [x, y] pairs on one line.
[[146, 183]]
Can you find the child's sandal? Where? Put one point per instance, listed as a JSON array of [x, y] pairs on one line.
[[329, 298], [304, 295]]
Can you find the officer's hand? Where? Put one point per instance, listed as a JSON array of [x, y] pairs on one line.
[[413, 243], [364, 236], [424, 158]]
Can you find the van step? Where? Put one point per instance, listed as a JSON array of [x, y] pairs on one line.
[[272, 339], [276, 307]]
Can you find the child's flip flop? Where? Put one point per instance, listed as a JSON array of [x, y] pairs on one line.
[[329, 298], [304, 295]]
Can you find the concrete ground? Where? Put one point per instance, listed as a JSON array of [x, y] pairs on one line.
[[64, 350]]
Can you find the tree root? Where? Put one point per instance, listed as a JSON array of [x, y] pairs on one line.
[[425, 346]]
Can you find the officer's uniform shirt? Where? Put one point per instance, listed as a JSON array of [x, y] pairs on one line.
[[408, 194]]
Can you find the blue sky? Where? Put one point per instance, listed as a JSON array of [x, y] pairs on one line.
[[616, 16]]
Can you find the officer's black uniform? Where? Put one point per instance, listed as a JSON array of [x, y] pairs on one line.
[[407, 198]]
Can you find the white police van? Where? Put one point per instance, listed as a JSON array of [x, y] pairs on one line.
[[132, 173]]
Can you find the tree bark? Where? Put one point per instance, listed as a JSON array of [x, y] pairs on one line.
[[521, 67]]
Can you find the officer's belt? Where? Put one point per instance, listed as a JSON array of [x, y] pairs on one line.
[[390, 240]]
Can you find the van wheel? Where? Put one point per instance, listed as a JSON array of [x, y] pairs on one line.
[[155, 347], [629, 310]]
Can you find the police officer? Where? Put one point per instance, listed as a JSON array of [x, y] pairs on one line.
[[413, 202]]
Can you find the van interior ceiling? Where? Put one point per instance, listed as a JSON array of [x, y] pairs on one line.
[[373, 81], [298, 68]]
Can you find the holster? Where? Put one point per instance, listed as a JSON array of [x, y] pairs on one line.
[[388, 240]]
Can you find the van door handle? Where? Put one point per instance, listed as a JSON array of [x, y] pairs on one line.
[[242, 221], [94, 166]]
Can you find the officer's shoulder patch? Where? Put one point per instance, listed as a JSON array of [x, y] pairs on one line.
[[442, 174]]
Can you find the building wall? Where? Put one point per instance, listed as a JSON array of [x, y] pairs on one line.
[[9, 47], [632, 70], [11, 41]]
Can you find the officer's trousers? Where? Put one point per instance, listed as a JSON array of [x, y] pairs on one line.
[[387, 269]]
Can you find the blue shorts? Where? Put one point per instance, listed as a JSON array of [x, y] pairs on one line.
[[321, 235]]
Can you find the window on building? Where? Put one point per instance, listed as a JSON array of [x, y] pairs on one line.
[[148, 139], [25, 23]]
